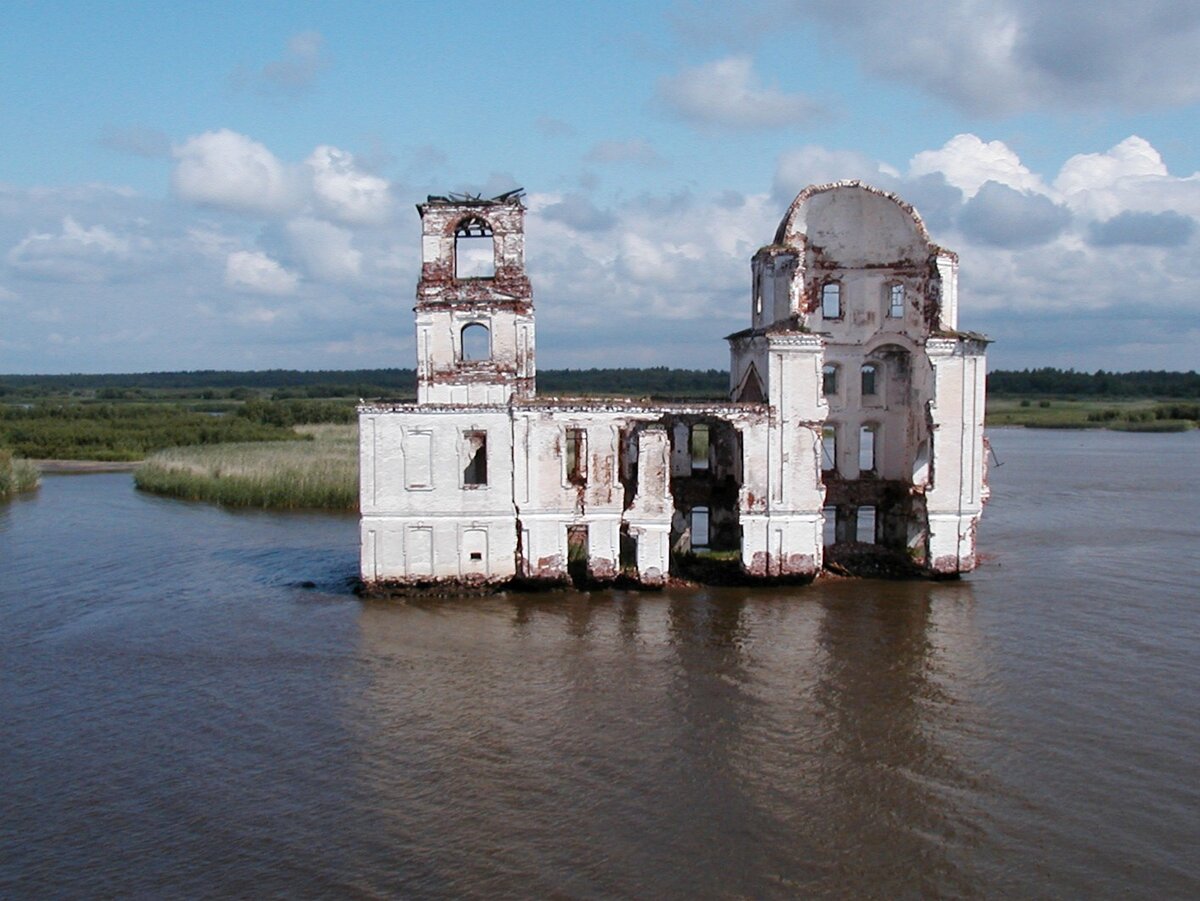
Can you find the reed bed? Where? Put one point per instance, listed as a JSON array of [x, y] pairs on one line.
[[16, 475], [318, 473]]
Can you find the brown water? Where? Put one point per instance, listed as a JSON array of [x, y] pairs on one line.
[[182, 717]]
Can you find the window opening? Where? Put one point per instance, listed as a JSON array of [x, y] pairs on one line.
[[866, 448], [475, 451], [627, 552], [831, 300], [828, 449], [866, 525], [577, 554], [576, 456], [751, 387], [829, 379], [476, 342], [869, 373], [830, 528], [920, 469], [896, 301], [699, 523], [698, 446], [418, 460], [474, 249]]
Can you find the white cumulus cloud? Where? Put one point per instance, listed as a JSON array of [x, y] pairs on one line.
[[344, 191], [968, 162], [231, 171], [254, 272]]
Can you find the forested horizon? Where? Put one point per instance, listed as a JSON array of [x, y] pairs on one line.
[[657, 380]]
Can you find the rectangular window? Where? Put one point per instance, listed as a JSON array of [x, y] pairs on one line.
[[830, 528], [418, 460], [866, 448], [868, 379], [699, 524], [896, 302], [866, 525], [828, 449], [576, 456], [475, 459], [698, 445], [831, 300], [829, 380], [418, 557]]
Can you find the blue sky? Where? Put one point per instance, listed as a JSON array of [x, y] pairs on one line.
[[232, 185]]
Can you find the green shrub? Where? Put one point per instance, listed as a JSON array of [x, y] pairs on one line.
[[16, 475], [297, 411], [1154, 425], [73, 431]]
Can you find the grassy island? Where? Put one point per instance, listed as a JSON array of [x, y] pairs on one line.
[[16, 475], [319, 472], [1140, 415]]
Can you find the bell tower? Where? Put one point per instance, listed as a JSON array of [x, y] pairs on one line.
[[474, 312]]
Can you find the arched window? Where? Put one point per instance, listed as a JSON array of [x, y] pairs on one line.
[[831, 300], [829, 379], [474, 249], [866, 448], [870, 378], [476, 342]]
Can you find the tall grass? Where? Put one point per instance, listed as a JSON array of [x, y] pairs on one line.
[[74, 431], [319, 473], [16, 475]]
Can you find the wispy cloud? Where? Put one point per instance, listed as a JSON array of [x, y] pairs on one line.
[[294, 73], [726, 93], [254, 272], [636, 150], [137, 140]]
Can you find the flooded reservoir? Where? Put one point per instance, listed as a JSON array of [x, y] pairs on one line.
[[195, 704]]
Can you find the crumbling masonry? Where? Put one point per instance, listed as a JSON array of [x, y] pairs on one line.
[[854, 429]]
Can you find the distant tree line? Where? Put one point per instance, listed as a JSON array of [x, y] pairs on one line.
[[1069, 383], [285, 384], [658, 381]]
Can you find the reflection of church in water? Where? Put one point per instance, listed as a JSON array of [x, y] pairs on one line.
[[854, 429]]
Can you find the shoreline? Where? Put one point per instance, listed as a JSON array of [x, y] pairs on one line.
[[53, 467]]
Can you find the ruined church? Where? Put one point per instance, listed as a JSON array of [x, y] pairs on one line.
[[853, 428]]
